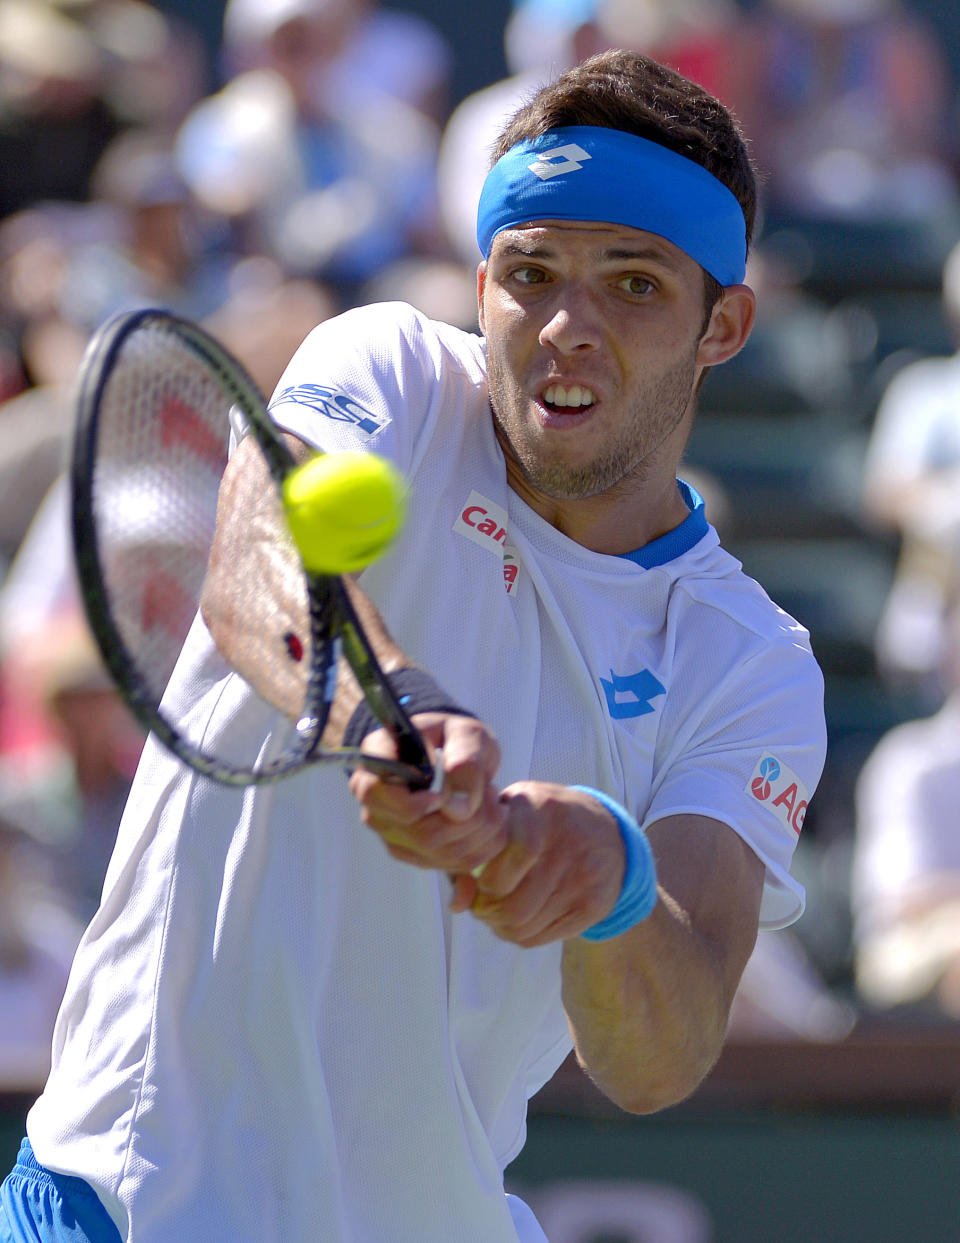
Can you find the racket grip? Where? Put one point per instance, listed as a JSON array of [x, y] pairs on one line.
[[413, 754]]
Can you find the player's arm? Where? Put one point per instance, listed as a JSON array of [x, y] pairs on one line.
[[254, 600], [253, 596], [648, 1007]]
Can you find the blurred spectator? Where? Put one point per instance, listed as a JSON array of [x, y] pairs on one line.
[[155, 247], [154, 64], [266, 316], [54, 120], [848, 104], [911, 487], [73, 75], [694, 37], [906, 866], [544, 37], [34, 434], [38, 938], [373, 50], [36, 415], [69, 744], [332, 185], [541, 39], [782, 995], [64, 268]]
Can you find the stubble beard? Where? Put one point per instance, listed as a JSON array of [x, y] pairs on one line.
[[658, 410]]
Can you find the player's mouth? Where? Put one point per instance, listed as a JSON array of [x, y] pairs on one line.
[[559, 397], [566, 402]]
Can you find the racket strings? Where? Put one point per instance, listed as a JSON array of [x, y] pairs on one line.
[[155, 401], [162, 449]]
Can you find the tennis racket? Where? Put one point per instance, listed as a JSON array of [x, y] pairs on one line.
[[150, 446]]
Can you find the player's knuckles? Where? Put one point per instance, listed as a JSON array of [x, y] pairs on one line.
[[467, 745], [438, 842], [539, 926], [390, 803], [523, 905], [403, 855], [503, 874]]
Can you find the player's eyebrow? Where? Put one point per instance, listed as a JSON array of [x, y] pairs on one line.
[[641, 253], [530, 250]]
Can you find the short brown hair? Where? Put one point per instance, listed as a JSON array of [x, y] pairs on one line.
[[626, 91]]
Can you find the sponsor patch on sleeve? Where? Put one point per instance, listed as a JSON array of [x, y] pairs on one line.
[[332, 405], [780, 790]]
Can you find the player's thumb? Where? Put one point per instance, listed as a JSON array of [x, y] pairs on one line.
[[470, 757], [462, 799]]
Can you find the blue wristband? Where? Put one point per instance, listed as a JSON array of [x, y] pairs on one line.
[[638, 895]]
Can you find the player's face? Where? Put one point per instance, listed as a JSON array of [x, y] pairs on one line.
[[594, 347]]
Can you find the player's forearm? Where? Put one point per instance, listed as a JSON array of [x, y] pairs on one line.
[[647, 1010], [254, 599], [254, 595], [389, 655]]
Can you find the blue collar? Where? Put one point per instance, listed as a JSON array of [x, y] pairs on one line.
[[678, 541]]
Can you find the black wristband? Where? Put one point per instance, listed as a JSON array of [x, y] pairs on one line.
[[416, 691]]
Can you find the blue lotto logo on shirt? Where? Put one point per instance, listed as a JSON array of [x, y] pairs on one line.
[[780, 790], [338, 407], [630, 696]]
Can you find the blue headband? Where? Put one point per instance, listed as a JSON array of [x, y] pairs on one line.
[[593, 173]]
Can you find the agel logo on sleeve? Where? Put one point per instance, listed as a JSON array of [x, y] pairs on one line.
[[781, 790]]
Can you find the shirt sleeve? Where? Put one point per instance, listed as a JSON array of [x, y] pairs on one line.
[[365, 380], [751, 757]]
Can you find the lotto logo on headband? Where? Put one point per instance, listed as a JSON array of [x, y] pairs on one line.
[[557, 160], [780, 790], [620, 179]]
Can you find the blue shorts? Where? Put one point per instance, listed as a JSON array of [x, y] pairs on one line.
[[38, 1206]]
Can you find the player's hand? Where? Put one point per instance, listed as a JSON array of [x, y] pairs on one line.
[[456, 829], [560, 872]]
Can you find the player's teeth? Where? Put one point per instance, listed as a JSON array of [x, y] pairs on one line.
[[576, 395]]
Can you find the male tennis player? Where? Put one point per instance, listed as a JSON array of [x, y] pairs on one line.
[[285, 1028]]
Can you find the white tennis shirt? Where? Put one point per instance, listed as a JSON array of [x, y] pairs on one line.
[[274, 1033]]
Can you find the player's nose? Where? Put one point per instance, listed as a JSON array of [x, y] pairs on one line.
[[574, 324]]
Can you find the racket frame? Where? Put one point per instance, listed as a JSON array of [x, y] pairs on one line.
[[333, 623]]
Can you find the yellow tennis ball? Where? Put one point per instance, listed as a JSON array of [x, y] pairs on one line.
[[344, 509]]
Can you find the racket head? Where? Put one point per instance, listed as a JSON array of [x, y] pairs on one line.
[[150, 447]]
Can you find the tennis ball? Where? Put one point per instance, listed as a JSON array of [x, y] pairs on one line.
[[343, 510]]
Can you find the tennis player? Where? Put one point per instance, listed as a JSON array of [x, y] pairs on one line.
[[285, 1027]]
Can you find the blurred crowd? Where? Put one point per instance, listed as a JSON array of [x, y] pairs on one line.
[[323, 161]]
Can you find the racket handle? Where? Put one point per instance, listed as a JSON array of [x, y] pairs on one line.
[[412, 752]]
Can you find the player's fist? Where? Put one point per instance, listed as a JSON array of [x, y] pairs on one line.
[[457, 828]]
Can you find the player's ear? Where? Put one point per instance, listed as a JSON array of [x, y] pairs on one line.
[[729, 326], [481, 281]]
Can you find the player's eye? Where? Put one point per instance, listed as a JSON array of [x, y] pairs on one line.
[[529, 275], [636, 285]]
